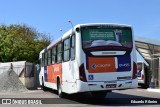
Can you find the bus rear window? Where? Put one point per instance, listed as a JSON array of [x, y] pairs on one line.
[[104, 36]]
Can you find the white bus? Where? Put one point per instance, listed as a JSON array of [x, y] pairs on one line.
[[143, 74], [94, 58]]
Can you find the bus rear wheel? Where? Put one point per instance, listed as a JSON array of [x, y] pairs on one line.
[[99, 94], [59, 89]]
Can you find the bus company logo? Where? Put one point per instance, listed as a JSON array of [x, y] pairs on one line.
[[56, 69], [124, 65], [53, 69], [94, 66]]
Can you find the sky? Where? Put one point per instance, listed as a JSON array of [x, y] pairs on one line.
[[49, 16]]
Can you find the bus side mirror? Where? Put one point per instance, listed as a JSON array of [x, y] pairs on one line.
[[77, 29]]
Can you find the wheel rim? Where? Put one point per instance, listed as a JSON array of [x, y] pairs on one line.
[[59, 89]]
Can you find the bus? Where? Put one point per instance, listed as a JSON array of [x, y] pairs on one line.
[[95, 58], [143, 74]]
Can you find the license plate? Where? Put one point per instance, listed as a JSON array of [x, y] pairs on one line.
[[111, 86]]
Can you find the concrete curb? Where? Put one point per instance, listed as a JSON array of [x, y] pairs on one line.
[[153, 90]]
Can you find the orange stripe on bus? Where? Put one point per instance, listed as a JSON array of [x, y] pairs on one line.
[[54, 71]]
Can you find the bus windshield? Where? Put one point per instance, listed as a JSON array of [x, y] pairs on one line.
[[95, 36]]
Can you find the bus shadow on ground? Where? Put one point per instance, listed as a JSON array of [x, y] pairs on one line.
[[112, 98], [131, 100]]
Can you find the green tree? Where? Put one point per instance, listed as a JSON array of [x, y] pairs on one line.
[[21, 42]]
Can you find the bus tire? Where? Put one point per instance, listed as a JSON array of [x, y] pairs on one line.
[[43, 87], [59, 89], [99, 94]]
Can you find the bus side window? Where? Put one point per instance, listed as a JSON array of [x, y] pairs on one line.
[[45, 59], [66, 50], [59, 53], [49, 57], [73, 47], [42, 60], [54, 51]]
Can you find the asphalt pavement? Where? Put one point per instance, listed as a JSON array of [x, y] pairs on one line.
[[130, 97]]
